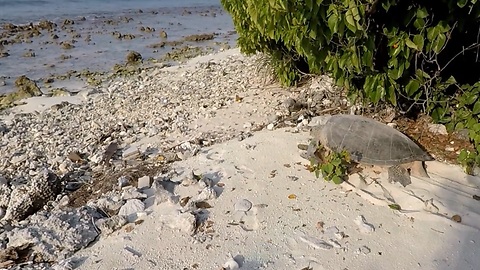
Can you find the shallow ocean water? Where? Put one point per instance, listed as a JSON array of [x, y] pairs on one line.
[[93, 18], [25, 11]]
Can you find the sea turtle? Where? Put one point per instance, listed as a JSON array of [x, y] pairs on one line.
[[370, 142]]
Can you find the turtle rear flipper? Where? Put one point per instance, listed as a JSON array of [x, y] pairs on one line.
[[399, 174]]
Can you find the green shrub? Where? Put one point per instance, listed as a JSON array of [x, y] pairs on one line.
[[421, 56]]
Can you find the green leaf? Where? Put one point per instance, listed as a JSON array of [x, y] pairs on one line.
[[350, 21], [476, 108], [328, 168], [422, 13], [418, 40], [470, 98], [450, 126], [412, 87], [367, 58], [332, 23], [379, 92], [443, 26], [398, 49], [439, 43], [398, 71], [461, 3], [390, 94], [337, 180], [395, 207], [422, 75], [386, 5], [472, 121], [419, 23], [336, 162], [476, 127], [355, 62], [411, 44], [432, 32], [438, 113], [368, 85], [356, 15]]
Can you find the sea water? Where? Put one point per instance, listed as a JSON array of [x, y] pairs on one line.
[[179, 18]]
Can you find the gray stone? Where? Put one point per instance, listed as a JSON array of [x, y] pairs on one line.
[[131, 208], [27, 199], [56, 234], [111, 224], [438, 129]]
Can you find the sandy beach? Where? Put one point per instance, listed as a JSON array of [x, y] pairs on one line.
[[227, 187]]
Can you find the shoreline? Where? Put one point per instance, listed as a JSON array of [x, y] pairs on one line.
[[216, 117], [52, 52]]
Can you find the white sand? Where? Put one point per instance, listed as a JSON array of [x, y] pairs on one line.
[[275, 242]]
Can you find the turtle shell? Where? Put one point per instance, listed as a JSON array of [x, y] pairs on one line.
[[368, 141]]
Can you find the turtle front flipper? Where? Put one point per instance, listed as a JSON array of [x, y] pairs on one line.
[[312, 152], [399, 174]]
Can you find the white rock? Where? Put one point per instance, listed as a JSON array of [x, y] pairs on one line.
[[131, 208], [131, 153], [206, 194], [132, 193], [185, 222], [143, 182], [270, 126], [438, 129]]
